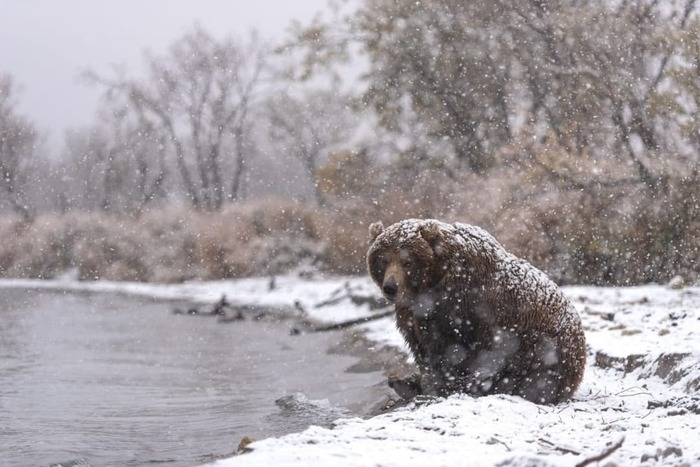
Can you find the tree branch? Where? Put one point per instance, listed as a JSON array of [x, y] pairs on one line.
[[599, 457]]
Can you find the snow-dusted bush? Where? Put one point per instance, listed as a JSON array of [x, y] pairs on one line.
[[36, 249], [257, 238], [585, 220], [166, 245], [580, 219], [601, 235]]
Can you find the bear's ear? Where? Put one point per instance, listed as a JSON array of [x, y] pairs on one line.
[[432, 234], [375, 229]]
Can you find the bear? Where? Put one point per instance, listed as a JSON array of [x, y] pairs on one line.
[[477, 319]]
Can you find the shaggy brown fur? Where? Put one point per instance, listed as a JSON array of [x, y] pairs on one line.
[[477, 319]]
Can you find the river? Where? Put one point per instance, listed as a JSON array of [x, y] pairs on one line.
[[108, 379]]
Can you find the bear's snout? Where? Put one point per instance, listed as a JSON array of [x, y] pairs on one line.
[[390, 288], [393, 283]]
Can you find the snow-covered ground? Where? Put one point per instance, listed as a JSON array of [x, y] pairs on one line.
[[639, 402]]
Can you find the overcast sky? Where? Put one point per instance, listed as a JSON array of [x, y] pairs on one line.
[[45, 44]]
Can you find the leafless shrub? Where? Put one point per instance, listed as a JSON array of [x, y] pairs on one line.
[[32, 249], [577, 236], [168, 245], [582, 227]]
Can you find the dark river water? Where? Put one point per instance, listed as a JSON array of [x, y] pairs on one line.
[[106, 380]]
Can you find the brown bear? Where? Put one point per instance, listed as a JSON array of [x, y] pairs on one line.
[[477, 319]]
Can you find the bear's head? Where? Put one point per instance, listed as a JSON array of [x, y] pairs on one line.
[[406, 259]]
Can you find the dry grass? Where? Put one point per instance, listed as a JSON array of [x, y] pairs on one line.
[[603, 236], [168, 245]]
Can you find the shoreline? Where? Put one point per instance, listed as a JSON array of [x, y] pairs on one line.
[[353, 394], [624, 412], [640, 394], [371, 357]]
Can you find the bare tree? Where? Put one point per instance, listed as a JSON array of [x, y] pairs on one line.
[[87, 164], [307, 127], [113, 166], [18, 144], [198, 97]]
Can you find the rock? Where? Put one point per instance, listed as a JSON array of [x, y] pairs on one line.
[[626, 364], [243, 445], [676, 283], [407, 388], [672, 451], [671, 367], [667, 367]]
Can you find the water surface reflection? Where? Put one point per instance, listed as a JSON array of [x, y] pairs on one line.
[[116, 380]]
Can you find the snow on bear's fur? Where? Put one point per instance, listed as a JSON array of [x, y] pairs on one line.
[[477, 319]]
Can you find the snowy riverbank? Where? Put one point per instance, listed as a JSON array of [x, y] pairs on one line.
[[639, 402]]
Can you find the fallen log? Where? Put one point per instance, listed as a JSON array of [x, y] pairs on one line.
[[352, 322]]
